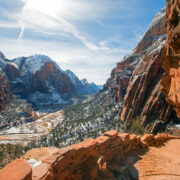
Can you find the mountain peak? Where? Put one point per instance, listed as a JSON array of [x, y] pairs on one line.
[[84, 81]]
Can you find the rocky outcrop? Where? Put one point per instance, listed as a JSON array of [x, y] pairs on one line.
[[82, 87], [136, 80], [39, 80], [5, 93], [156, 28], [42, 82], [17, 170], [89, 159], [121, 75], [143, 97], [170, 84]]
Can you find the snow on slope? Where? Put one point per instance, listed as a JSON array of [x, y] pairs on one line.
[[157, 18], [34, 63]]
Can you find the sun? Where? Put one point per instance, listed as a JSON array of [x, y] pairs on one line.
[[49, 7]]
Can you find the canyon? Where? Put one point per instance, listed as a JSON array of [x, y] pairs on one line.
[[89, 139]]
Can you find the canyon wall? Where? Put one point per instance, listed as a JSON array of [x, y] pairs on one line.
[[136, 80], [170, 84], [90, 159], [5, 93]]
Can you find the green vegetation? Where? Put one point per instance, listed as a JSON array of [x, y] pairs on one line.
[[9, 152], [85, 119], [137, 127]]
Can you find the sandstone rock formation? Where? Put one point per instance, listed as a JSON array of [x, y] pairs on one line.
[[90, 159], [17, 170], [82, 86], [136, 80], [5, 93], [40, 80], [170, 83]]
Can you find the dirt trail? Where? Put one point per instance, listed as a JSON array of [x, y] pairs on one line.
[[158, 163]]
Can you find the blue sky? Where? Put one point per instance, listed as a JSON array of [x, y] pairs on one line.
[[87, 36]]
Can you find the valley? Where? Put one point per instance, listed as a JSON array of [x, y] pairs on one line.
[[62, 127]]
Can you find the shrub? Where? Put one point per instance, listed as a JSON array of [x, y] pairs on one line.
[[136, 127]]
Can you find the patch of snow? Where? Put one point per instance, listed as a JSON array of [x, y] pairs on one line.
[[72, 76], [49, 125], [84, 81], [13, 64], [157, 18], [33, 162], [13, 130], [34, 63], [46, 99], [177, 126]]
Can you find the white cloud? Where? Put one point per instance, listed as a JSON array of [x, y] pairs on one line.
[[48, 21], [93, 65]]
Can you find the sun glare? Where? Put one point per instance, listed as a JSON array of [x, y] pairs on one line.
[[49, 7]]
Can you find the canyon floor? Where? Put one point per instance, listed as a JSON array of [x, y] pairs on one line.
[[25, 133], [157, 163]]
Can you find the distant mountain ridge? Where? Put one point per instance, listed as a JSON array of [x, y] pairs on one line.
[[82, 86], [42, 82]]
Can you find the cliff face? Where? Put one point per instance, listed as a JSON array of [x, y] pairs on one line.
[[136, 80], [39, 80], [156, 28], [170, 84], [5, 93]]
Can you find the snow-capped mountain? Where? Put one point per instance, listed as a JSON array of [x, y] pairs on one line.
[[42, 82], [89, 88], [39, 80], [74, 79], [82, 87]]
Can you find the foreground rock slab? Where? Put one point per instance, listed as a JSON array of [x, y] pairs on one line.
[[158, 163], [16, 170], [100, 158]]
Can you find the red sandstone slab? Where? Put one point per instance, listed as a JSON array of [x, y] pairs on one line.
[[40, 153], [88, 143], [103, 142], [111, 134], [102, 139], [147, 138], [40, 171], [16, 170], [124, 137], [67, 151]]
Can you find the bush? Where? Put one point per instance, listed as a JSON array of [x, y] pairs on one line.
[[136, 127]]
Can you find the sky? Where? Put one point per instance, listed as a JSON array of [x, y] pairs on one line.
[[86, 36]]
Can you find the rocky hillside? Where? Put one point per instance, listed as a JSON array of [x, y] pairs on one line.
[[170, 84], [136, 81]]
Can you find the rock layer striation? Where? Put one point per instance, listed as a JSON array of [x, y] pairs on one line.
[[170, 84]]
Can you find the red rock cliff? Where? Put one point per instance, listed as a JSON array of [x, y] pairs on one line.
[[170, 84], [5, 93], [136, 80]]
